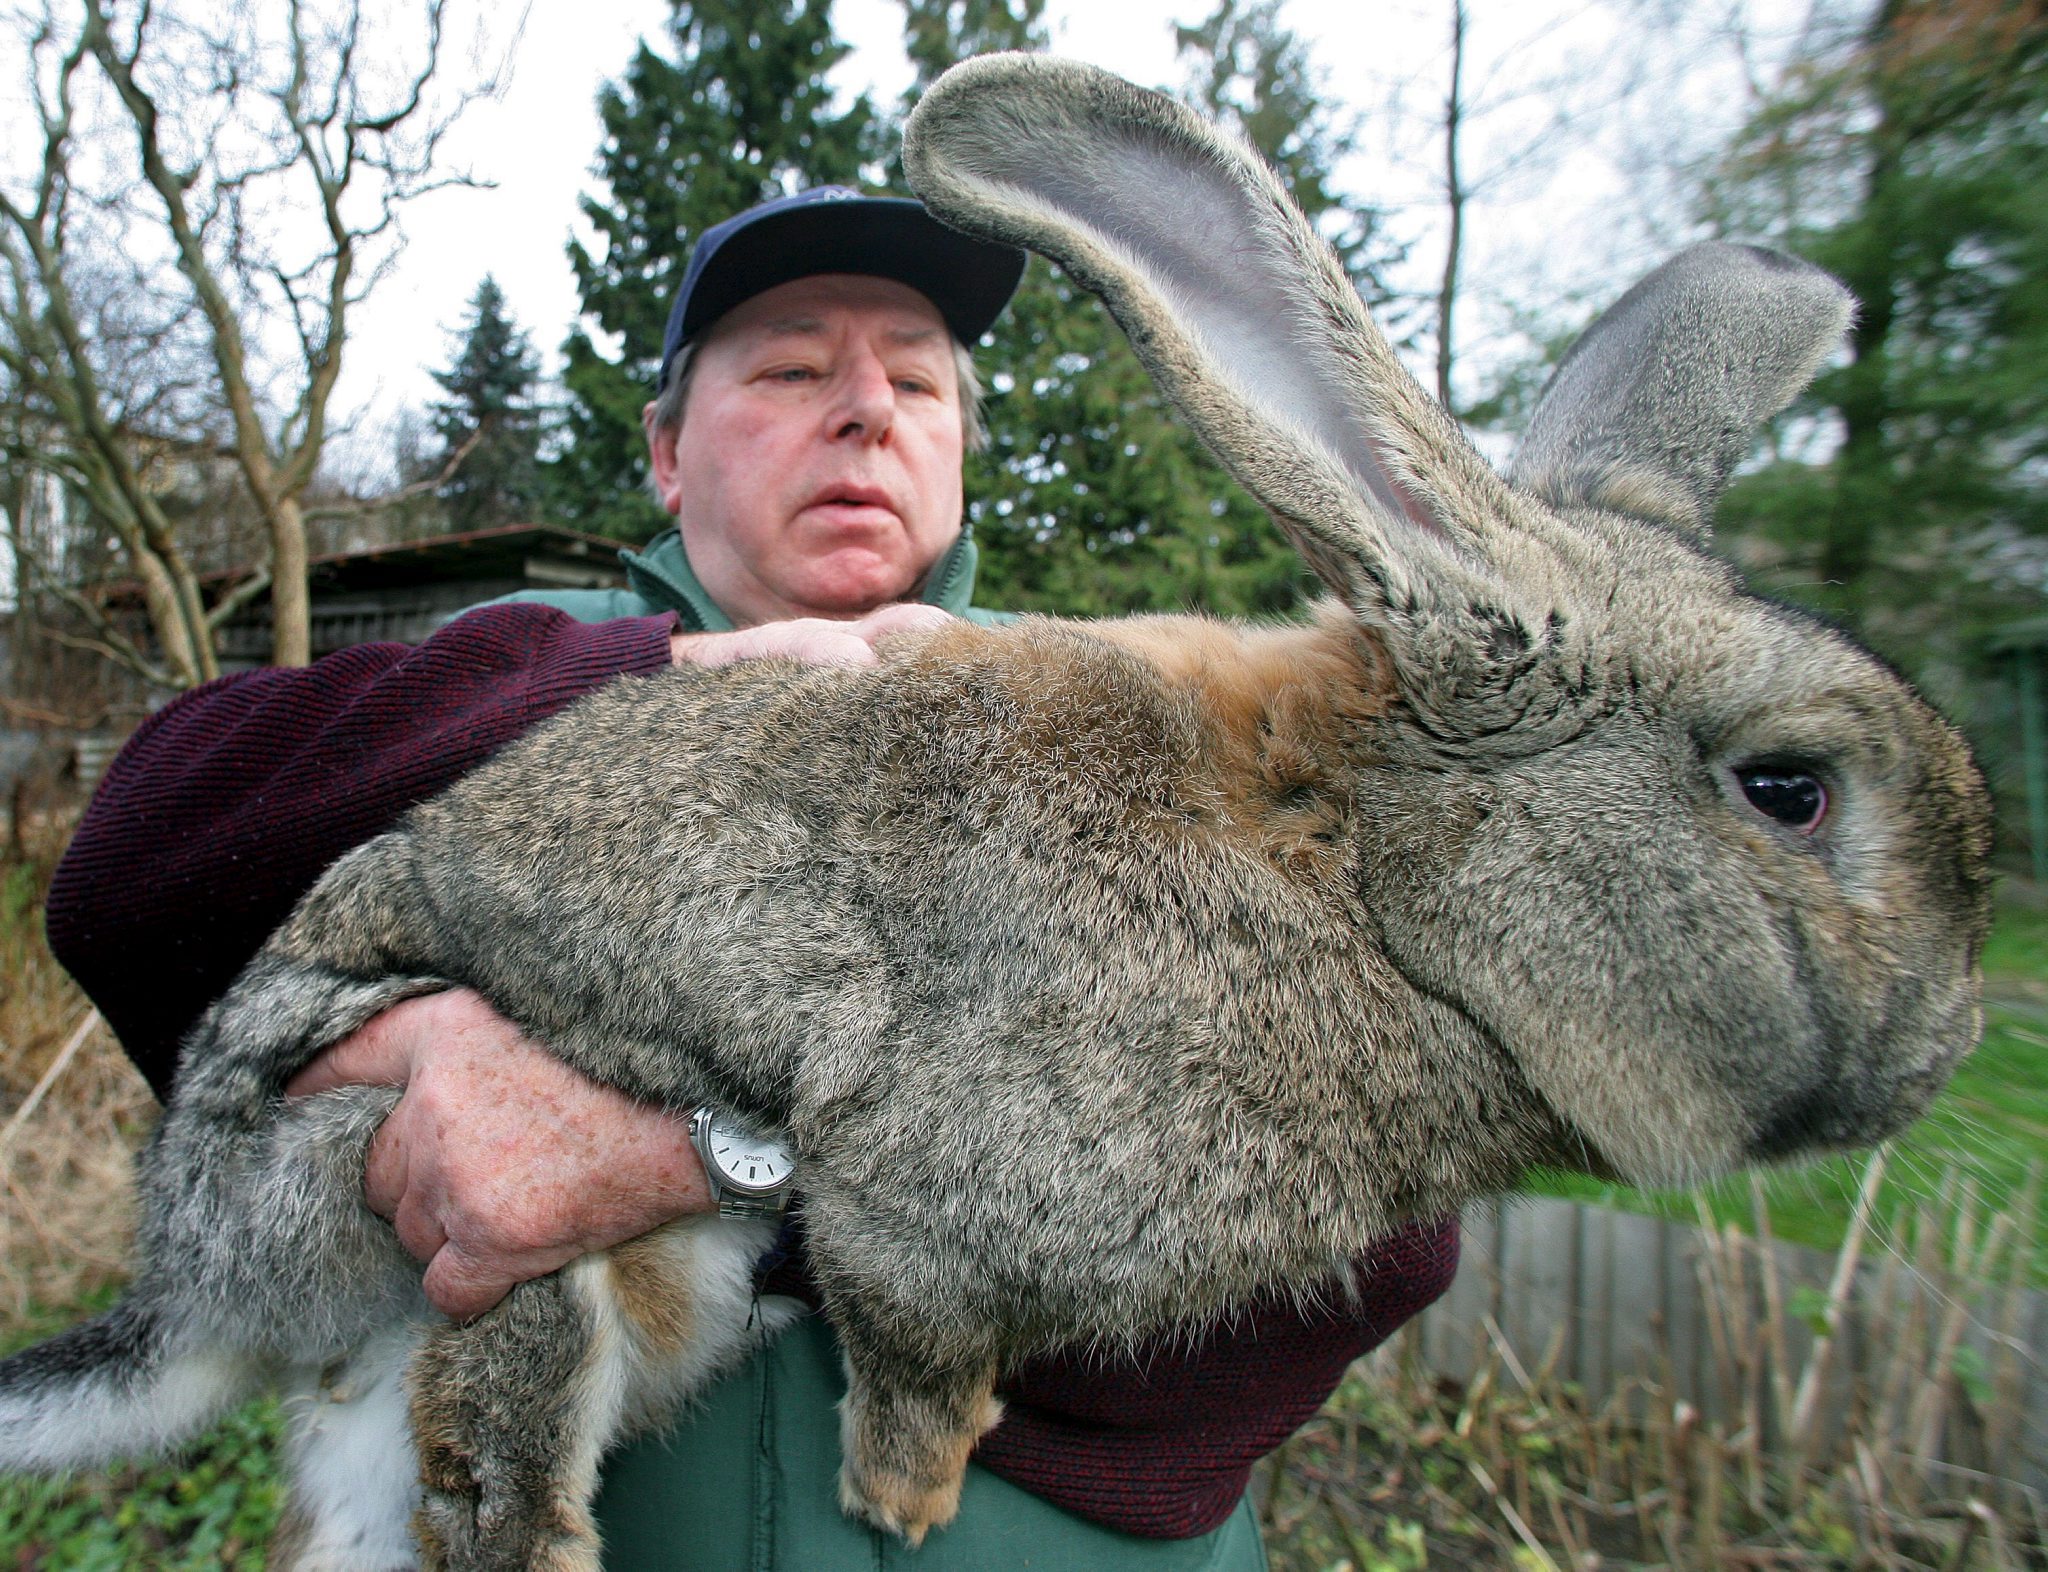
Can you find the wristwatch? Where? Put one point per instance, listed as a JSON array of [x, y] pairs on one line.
[[750, 1175]]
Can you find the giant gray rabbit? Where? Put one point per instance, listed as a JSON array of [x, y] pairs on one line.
[[1103, 975]]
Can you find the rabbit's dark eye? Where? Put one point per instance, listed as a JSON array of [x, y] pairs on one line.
[[1792, 797]]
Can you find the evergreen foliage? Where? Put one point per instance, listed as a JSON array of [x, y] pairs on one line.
[[737, 112], [1906, 154], [489, 408], [937, 33]]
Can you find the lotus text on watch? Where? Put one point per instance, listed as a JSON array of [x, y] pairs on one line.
[[750, 1174]]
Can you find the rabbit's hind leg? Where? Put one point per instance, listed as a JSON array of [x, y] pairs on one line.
[[910, 1419], [511, 1415]]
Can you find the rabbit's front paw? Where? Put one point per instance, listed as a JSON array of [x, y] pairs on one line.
[[908, 1481], [911, 1508]]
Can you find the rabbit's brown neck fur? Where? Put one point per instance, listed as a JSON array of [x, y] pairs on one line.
[[1286, 709], [1336, 1098]]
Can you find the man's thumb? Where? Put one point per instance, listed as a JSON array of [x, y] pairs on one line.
[[374, 1054]]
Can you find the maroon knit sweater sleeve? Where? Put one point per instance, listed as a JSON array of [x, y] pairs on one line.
[[228, 803], [1162, 1443]]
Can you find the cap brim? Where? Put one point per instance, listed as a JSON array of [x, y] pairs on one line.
[[969, 280]]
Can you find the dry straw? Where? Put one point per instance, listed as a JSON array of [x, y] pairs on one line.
[[72, 1113]]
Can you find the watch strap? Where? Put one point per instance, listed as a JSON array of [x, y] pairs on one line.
[[732, 1204]]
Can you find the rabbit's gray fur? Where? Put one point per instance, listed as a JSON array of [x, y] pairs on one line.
[[1103, 976]]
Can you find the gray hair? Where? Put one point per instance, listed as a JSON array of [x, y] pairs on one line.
[[668, 404]]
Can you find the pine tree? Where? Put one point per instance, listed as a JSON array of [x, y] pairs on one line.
[[738, 112], [490, 410], [937, 33], [1907, 156]]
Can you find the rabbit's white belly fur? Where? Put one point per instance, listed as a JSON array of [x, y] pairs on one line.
[[355, 1474]]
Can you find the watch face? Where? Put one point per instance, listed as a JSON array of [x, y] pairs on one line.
[[745, 1160]]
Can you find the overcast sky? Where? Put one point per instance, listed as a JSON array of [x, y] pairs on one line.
[[1564, 219]]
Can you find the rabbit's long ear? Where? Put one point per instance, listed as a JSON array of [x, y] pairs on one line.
[[1239, 311], [1661, 397]]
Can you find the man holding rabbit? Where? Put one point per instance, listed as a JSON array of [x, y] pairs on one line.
[[815, 400]]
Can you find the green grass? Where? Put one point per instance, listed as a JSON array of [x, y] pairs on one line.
[[1989, 1129], [211, 1507]]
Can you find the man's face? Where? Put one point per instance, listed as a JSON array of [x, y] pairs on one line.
[[817, 469]]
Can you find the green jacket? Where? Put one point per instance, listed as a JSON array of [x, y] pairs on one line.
[[660, 579]]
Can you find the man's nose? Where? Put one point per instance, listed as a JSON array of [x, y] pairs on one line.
[[866, 405]]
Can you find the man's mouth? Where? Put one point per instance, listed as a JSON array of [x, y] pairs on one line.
[[854, 497]]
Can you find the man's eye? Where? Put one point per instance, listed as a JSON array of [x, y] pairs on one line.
[[792, 374]]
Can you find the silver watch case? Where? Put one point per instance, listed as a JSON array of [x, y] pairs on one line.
[[750, 1175]]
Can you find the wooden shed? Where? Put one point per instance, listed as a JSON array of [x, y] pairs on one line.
[[407, 590]]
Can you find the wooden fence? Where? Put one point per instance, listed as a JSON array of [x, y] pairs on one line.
[[1943, 1368]]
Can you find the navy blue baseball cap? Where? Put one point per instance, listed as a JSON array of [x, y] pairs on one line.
[[830, 229]]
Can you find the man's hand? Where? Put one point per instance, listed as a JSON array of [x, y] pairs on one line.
[[500, 1163], [816, 641]]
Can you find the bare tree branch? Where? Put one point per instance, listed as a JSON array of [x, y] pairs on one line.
[[238, 597], [204, 126], [38, 715], [1454, 201], [362, 506], [55, 358], [112, 643]]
